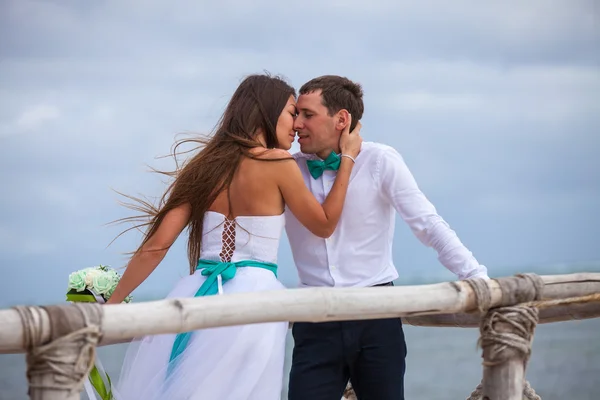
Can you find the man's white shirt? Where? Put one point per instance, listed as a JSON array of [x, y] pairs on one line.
[[359, 253]]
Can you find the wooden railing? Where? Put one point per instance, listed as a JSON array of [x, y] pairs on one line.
[[496, 306]]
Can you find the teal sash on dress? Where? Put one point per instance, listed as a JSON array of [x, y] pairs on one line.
[[212, 269]]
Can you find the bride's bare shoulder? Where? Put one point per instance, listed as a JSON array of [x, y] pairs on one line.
[[271, 154]]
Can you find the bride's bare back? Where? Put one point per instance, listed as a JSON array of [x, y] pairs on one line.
[[254, 190]]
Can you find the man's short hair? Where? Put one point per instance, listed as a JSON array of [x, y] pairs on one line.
[[337, 93]]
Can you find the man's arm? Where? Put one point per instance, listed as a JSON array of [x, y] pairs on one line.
[[400, 188]]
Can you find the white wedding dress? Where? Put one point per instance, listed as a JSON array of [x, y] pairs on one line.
[[226, 363]]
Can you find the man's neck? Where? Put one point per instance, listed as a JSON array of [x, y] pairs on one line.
[[325, 153]]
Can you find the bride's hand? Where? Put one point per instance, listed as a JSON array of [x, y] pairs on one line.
[[350, 142]]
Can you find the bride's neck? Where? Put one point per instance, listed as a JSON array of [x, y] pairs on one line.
[[260, 137]]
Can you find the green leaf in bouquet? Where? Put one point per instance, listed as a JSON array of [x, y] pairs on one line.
[[98, 383], [84, 296]]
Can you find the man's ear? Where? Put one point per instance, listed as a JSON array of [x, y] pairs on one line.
[[342, 119]]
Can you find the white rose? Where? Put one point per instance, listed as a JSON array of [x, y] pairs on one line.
[[89, 277]]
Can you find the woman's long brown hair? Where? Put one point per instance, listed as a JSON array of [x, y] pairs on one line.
[[254, 107]]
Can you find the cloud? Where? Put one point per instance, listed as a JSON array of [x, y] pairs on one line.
[[506, 32], [37, 116], [552, 94], [422, 101]]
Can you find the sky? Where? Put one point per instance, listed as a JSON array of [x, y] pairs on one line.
[[495, 106]]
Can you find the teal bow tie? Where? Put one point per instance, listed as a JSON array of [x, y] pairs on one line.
[[316, 167]]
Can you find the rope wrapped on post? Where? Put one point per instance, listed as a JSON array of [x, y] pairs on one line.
[[523, 321], [504, 344], [528, 393], [57, 369], [521, 318]]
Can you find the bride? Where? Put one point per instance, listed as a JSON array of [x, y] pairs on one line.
[[231, 196]]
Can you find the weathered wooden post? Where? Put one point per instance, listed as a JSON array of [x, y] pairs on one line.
[[349, 393], [61, 346], [506, 335]]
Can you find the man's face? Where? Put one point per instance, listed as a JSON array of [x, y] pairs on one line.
[[315, 127]]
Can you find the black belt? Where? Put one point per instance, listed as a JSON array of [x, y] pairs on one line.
[[385, 284]]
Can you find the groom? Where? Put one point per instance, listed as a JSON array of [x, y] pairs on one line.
[[371, 353]]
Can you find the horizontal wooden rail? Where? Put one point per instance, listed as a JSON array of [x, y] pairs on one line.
[[126, 321]]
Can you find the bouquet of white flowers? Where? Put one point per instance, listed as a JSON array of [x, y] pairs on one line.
[[93, 285]]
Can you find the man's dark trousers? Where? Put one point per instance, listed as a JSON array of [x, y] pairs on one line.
[[371, 353]]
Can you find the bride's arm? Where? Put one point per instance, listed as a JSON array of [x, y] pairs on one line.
[[321, 220], [152, 252]]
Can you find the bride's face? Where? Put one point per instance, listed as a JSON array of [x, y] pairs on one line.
[[285, 125]]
